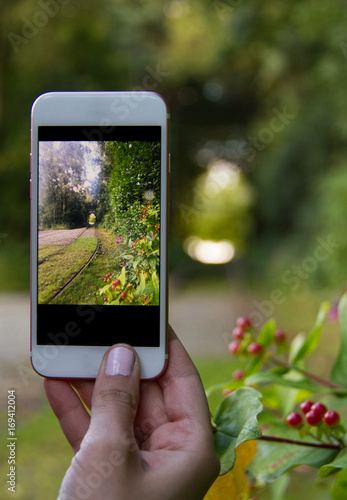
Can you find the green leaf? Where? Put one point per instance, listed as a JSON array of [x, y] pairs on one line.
[[254, 364], [313, 338], [274, 459], [302, 383], [152, 262], [104, 288], [340, 462], [155, 283], [236, 422], [296, 345], [267, 333], [339, 370], [214, 393], [141, 287], [114, 302], [287, 398], [279, 487], [272, 378], [122, 276], [148, 289], [338, 491], [280, 370]]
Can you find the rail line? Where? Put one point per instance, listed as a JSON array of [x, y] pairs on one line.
[[71, 280], [41, 261]]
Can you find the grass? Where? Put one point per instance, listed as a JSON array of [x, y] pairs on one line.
[[43, 456], [58, 269], [45, 250], [85, 289]]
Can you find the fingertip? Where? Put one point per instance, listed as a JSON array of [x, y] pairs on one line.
[[120, 360], [116, 393]]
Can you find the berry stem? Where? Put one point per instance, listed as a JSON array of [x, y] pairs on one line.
[[313, 436], [276, 439], [307, 374], [340, 440], [328, 436]]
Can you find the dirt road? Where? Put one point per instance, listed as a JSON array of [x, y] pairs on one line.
[[60, 236], [91, 232]]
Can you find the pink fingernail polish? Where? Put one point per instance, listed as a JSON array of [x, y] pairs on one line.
[[120, 361]]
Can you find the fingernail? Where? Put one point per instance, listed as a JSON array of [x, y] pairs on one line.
[[120, 361]]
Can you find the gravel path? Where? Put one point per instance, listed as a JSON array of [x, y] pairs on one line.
[[59, 236], [90, 233]]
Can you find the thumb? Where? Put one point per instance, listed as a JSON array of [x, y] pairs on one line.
[[115, 398]]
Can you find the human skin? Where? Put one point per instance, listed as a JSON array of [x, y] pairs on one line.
[[149, 439]]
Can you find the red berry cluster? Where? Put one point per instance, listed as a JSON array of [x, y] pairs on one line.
[[108, 275], [144, 213], [244, 342], [315, 414], [116, 284]]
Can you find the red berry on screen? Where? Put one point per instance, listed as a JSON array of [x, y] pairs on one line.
[[332, 418], [123, 295], [314, 417], [238, 333], [294, 420], [243, 322], [116, 282], [254, 348], [306, 406], [319, 408], [234, 346]]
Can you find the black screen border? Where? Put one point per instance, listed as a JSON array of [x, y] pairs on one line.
[[138, 326]]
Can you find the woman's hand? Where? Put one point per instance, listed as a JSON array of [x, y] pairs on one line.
[[149, 439]]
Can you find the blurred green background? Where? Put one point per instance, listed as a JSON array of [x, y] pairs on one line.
[[258, 101], [258, 104]]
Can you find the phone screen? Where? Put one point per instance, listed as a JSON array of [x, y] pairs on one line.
[[99, 234]]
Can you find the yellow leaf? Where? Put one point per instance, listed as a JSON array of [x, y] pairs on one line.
[[234, 484]]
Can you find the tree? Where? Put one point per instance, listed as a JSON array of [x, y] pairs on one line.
[[62, 189]]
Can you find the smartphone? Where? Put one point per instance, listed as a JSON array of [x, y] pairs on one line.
[[99, 225]]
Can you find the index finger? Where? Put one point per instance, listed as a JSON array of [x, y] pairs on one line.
[[182, 388]]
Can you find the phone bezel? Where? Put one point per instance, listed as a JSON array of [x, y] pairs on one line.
[[103, 109]]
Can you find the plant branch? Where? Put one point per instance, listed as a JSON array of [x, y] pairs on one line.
[[307, 374], [276, 439]]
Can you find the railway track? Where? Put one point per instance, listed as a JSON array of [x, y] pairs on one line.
[[45, 237], [80, 271]]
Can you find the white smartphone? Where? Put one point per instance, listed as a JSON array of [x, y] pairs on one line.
[[99, 225]]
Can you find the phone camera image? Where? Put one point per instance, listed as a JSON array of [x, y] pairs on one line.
[[98, 238]]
